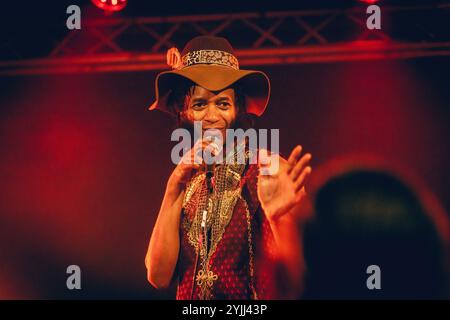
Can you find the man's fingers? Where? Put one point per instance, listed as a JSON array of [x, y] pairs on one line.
[[295, 154], [212, 148], [192, 165], [200, 147], [301, 179], [192, 158], [295, 172]]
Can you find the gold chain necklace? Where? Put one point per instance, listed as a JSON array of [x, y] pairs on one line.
[[208, 216]]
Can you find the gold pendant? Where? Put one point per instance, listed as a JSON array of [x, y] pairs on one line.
[[205, 280]]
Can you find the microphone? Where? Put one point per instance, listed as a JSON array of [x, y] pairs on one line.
[[210, 166], [209, 175]]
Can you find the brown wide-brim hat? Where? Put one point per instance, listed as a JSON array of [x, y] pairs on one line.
[[210, 63]]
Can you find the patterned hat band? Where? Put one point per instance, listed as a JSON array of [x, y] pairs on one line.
[[201, 57]]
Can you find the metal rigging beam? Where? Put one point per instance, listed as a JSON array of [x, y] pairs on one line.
[[313, 36]]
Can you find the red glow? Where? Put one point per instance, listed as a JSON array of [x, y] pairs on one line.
[[110, 5], [369, 1]]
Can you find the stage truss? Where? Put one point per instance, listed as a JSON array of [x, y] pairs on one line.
[[269, 38]]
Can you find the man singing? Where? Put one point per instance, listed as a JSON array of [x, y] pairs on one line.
[[228, 231]]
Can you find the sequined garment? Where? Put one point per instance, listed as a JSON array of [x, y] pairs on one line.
[[230, 257]]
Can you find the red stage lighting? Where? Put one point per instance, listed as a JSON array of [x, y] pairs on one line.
[[110, 5], [369, 1]]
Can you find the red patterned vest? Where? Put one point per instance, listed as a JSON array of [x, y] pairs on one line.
[[238, 262]]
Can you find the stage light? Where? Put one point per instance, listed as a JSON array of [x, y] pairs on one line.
[[369, 1], [110, 5]]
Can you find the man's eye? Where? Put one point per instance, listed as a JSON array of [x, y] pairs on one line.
[[198, 105], [224, 105]]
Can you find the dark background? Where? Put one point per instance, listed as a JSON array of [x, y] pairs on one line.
[[83, 164]]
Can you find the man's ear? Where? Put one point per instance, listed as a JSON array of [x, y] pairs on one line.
[[185, 117]]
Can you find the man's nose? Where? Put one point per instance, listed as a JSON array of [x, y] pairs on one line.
[[212, 113]]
